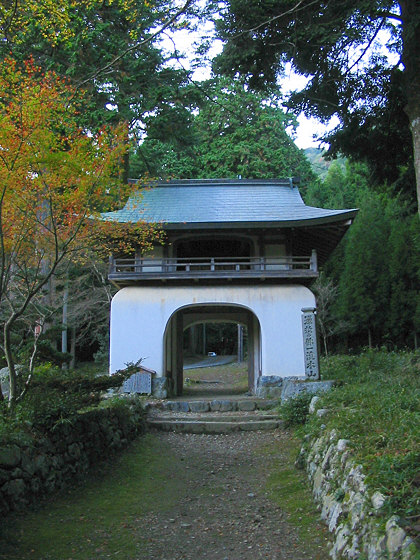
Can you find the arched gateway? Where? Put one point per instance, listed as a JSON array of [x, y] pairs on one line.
[[201, 313], [237, 250]]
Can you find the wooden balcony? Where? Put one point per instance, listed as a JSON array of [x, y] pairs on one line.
[[139, 270]]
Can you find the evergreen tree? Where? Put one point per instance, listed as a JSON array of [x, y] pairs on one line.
[[111, 53], [364, 285], [403, 273], [376, 266], [338, 47], [236, 133]]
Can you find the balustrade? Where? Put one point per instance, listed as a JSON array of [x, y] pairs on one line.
[[202, 267]]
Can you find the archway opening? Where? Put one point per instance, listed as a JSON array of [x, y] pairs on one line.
[[215, 358], [201, 338]]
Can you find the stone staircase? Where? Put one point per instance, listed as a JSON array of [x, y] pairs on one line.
[[212, 416]]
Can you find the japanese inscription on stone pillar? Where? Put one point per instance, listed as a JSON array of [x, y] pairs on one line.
[[310, 343]]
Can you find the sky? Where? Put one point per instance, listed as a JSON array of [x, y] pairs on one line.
[[308, 128]]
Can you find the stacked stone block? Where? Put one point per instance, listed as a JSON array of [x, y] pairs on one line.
[[39, 465], [349, 508]]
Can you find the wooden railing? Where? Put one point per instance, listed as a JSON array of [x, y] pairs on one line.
[[208, 267]]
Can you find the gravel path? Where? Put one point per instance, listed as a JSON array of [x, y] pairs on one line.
[[210, 361], [224, 511]]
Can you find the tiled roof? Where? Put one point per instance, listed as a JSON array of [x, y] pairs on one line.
[[218, 201]]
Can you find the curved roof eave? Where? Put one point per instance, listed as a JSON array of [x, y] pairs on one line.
[[343, 216]]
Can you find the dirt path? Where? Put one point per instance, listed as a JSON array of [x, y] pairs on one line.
[[226, 512], [181, 497]]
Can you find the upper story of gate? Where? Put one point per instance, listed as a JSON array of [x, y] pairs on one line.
[[235, 230]]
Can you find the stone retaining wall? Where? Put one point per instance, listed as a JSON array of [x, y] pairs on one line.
[[285, 388], [34, 468], [351, 511]]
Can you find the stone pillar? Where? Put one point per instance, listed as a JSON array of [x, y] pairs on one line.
[[310, 342]]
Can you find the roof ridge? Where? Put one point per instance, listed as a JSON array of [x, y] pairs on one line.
[[286, 182]]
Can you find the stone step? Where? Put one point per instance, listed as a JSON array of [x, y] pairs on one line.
[[212, 422], [205, 426], [213, 416], [246, 404]]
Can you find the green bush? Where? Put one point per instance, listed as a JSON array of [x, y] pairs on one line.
[[376, 406], [295, 411], [56, 395]]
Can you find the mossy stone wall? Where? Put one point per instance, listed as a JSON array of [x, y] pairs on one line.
[[352, 511], [44, 463]]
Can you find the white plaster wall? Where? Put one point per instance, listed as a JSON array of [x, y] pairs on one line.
[[139, 316]]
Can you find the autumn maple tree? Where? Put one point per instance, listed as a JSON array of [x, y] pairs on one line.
[[54, 178]]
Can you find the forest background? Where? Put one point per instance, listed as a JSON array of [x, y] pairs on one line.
[[120, 76]]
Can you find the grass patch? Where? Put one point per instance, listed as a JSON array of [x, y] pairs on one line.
[[377, 407], [233, 378], [288, 487], [102, 519], [295, 411]]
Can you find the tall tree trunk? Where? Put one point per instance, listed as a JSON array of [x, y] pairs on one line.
[[64, 327], [410, 13], [73, 348], [324, 339], [414, 116], [10, 364], [369, 337]]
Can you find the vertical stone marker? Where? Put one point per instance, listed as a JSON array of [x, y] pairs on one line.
[[310, 342]]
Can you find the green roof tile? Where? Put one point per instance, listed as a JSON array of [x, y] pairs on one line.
[[224, 201]]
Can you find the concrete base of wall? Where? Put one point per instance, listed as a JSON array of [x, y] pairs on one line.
[[284, 388]]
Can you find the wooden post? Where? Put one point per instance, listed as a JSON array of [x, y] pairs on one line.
[[192, 340], [314, 260], [204, 339], [252, 362], [179, 365], [240, 344]]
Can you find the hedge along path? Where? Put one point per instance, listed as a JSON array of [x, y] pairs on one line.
[[180, 496]]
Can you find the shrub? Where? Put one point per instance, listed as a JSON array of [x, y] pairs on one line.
[[56, 395], [295, 411], [376, 407]]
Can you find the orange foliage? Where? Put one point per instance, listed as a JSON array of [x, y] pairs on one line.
[[53, 175], [52, 18], [55, 179]]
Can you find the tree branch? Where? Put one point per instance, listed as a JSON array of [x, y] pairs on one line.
[[12, 17], [390, 15], [137, 45], [367, 46], [296, 8]]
